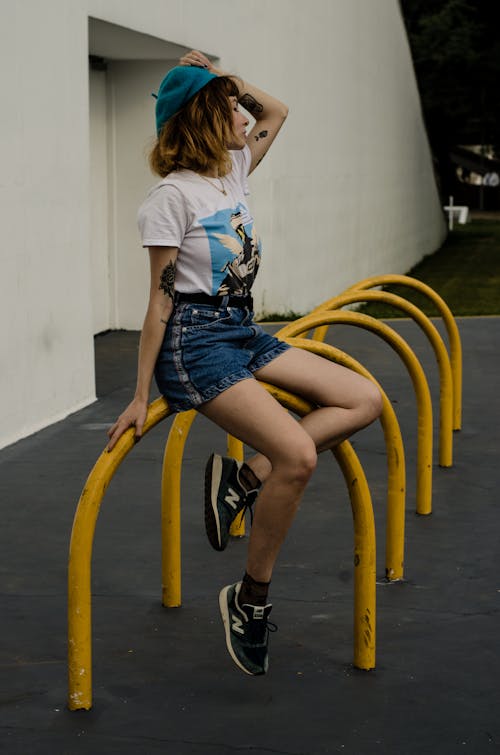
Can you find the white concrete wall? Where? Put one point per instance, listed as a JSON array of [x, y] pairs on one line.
[[46, 367], [131, 84], [100, 205], [347, 190]]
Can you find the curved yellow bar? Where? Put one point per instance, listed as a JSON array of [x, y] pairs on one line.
[[80, 555], [171, 505], [424, 404], [364, 529], [396, 470], [170, 512], [235, 450], [79, 567], [449, 323], [364, 557], [446, 389], [364, 538]]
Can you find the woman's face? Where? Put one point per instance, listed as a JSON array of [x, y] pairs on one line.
[[240, 123]]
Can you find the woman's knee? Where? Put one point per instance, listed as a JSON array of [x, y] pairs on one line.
[[297, 460], [372, 401]]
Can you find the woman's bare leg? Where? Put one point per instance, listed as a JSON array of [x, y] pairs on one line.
[[247, 411], [286, 457], [347, 401]]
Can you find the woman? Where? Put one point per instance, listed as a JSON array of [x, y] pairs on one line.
[[200, 341]]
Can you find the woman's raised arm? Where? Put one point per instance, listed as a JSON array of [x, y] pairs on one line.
[[269, 113]]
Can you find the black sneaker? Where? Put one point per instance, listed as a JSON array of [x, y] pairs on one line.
[[225, 497], [247, 631]]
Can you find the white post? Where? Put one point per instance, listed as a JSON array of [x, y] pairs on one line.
[[450, 214]]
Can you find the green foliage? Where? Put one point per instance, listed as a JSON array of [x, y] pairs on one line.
[[456, 54], [465, 272], [287, 316]]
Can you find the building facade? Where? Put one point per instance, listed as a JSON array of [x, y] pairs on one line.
[[347, 190]]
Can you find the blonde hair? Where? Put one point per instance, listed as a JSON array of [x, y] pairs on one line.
[[197, 136]]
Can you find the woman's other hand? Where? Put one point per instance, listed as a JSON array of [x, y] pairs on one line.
[[196, 58], [133, 416]]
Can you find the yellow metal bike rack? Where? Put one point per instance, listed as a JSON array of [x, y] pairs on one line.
[[423, 396], [449, 323], [445, 373], [80, 555], [396, 468], [79, 567], [450, 367], [82, 536]]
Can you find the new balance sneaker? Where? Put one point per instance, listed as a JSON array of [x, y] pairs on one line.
[[225, 497], [247, 631]]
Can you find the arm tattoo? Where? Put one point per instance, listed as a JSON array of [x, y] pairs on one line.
[[250, 104], [260, 135], [167, 280]]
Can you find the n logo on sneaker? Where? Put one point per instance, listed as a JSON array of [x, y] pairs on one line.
[[258, 612], [232, 498], [236, 624]]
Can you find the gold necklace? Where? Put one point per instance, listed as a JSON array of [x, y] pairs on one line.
[[222, 187]]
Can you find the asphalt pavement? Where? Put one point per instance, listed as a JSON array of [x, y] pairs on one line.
[[162, 679]]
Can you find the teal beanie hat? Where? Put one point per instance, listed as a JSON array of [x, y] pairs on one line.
[[177, 88]]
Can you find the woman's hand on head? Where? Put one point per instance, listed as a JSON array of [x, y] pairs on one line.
[[196, 58], [133, 416]]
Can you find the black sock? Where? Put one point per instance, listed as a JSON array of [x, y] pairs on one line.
[[253, 592], [248, 479]]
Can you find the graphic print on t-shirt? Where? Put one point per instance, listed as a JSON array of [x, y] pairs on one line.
[[235, 256]]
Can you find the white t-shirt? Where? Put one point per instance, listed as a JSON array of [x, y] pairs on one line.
[[219, 251]]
